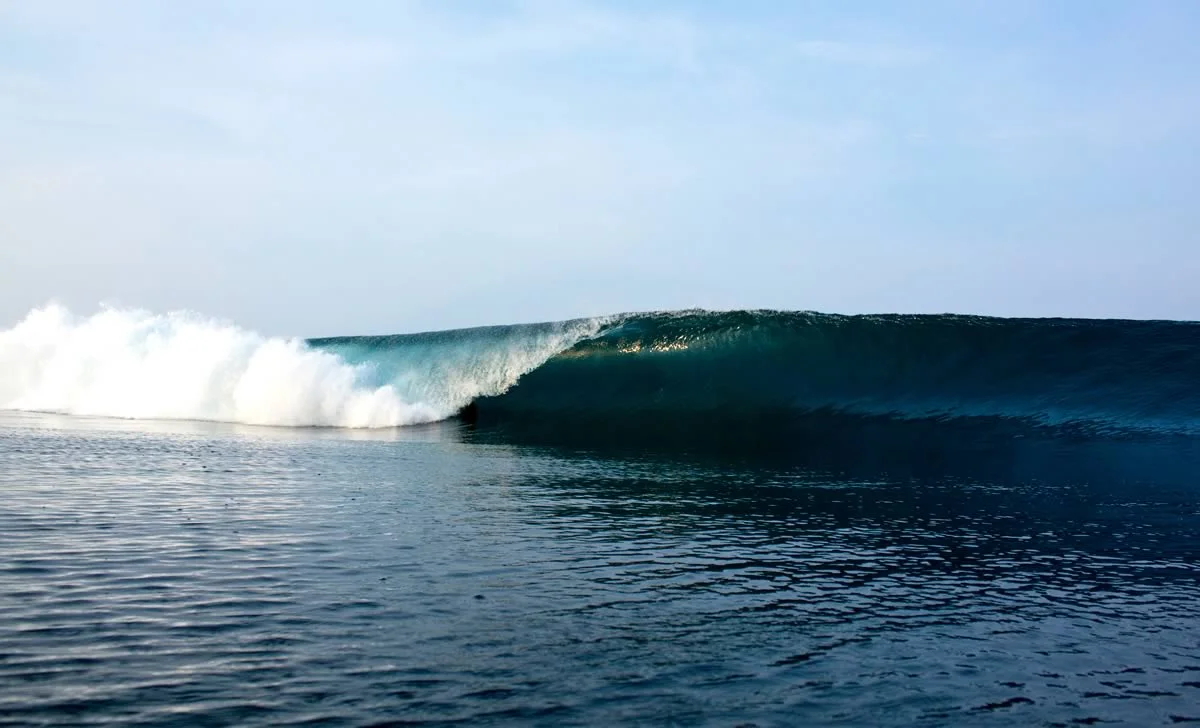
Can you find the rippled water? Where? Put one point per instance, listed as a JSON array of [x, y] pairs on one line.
[[187, 574]]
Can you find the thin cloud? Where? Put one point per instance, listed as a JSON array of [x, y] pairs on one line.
[[868, 54]]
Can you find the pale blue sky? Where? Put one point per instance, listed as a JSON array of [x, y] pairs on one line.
[[322, 168]]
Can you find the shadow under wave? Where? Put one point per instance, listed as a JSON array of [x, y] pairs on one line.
[[855, 447]]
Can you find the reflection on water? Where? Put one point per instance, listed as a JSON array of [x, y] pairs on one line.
[[445, 431], [194, 573]]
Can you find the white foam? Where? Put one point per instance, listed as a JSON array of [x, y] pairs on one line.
[[136, 364]]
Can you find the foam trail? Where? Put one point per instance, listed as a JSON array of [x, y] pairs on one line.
[[135, 364]]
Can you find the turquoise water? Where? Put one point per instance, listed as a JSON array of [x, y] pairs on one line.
[[175, 573]]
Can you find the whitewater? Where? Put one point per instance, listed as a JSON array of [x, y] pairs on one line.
[[135, 364]]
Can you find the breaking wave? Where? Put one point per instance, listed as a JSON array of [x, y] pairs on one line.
[[1097, 377]]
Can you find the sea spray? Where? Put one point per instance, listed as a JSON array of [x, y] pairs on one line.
[[135, 364]]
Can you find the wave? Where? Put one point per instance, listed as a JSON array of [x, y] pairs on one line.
[[678, 369], [1086, 376]]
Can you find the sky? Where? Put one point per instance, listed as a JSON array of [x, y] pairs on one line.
[[321, 168]]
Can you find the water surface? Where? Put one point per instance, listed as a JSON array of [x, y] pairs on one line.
[[205, 574]]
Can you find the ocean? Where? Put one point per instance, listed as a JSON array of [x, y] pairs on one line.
[[747, 518]]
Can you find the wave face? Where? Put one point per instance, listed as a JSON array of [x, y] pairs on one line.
[[1088, 376], [1093, 377], [134, 364]]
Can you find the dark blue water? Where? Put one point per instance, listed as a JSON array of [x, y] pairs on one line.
[[212, 575], [1083, 377]]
